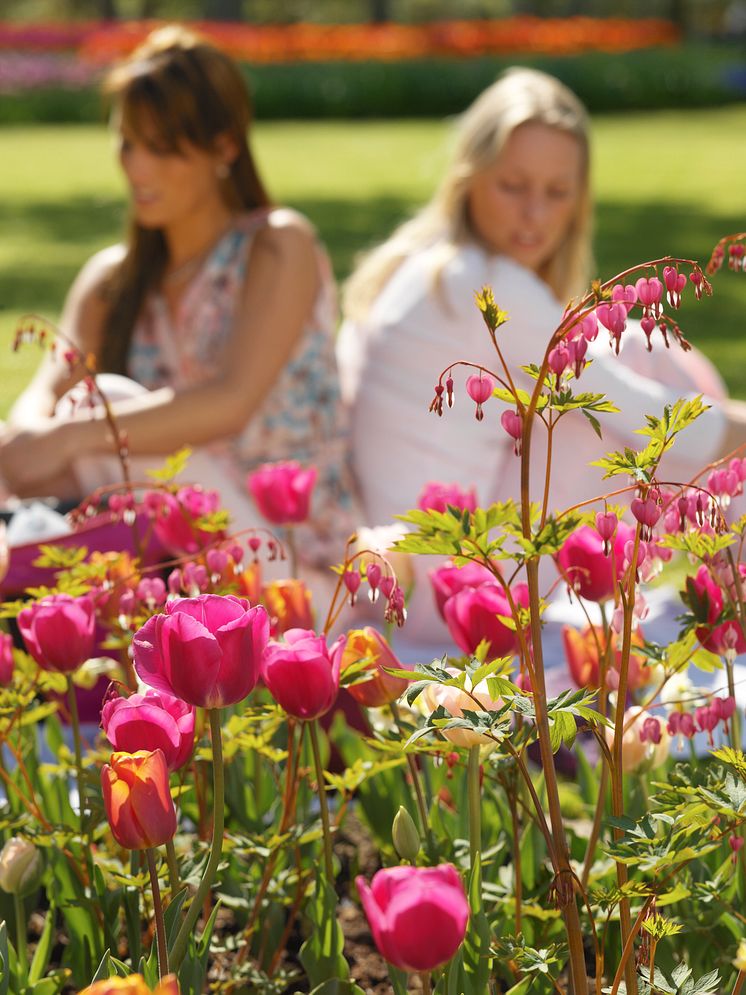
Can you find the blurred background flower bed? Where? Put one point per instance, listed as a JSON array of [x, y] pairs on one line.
[[49, 70]]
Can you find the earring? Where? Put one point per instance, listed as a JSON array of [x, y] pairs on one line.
[[222, 170]]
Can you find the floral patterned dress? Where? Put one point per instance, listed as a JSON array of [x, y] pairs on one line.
[[302, 418]]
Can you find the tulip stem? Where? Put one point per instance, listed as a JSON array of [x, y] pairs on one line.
[[21, 930], [426, 985], [75, 722], [218, 821], [160, 926], [173, 868], [313, 730], [419, 795], [739, 982], [292, 550], [475, 806]]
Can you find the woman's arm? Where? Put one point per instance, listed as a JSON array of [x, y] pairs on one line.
[[281, 285]]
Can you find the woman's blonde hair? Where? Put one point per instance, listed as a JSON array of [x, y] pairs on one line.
[[520, 96], [177, 89]]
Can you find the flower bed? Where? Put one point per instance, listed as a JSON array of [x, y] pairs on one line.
[[238, 819], [104, 42]]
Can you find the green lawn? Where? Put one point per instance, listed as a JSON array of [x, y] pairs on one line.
[[665, 182]]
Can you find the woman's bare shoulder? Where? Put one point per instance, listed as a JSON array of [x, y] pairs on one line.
[[285, 243], [98, 270]]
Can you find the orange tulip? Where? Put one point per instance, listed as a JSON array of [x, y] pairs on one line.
[[381, 688], [134, 984], [582, 653], [137, 799], [289, 605]]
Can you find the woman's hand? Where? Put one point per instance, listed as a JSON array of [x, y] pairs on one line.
[[31, 456]]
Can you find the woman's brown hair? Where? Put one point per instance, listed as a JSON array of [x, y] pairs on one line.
[[187, 91]]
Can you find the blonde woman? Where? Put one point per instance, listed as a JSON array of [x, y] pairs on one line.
[[513, 212], [219, 306]]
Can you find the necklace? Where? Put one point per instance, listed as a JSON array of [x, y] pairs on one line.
[[186, 270]]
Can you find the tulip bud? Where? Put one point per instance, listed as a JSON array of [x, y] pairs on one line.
[[21, 867], [404, 836]]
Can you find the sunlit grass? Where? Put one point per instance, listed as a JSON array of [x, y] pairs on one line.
[[665, 182]]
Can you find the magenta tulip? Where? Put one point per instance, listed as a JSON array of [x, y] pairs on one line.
[[59, 631], [175, 518], [6, 659], [438, 497], [302, 672], [282, 491], [150, 721], [472, 615], [417, 915], [205, 650], [449, 579], [586, 568]]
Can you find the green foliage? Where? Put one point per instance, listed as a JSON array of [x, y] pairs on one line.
[[641, 465], [321, 954]]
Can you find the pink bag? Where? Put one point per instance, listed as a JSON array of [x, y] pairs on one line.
[[102, 533]]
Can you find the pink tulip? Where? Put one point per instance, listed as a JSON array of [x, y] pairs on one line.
[[472, 615], [282, 491], [59, 631], [438, 497], [4, 552], [586, 568], [728, 637], [150, 721], [449, 579], [302, 672], [6, 659], [175, 518], [205, 650], [417, 915]]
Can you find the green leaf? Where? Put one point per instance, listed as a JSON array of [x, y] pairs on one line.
[[595, 424], [335, 986], [523, 987], [43, 951], [476, 959], [172, 467], [4, 959], [321, 954]]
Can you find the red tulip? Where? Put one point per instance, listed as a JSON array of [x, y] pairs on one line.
[[59, 631], [137, 799], [723, 638], [418, 915], [205, 650], [282, 491], [150, 721], [381, 688], [302, 673]]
